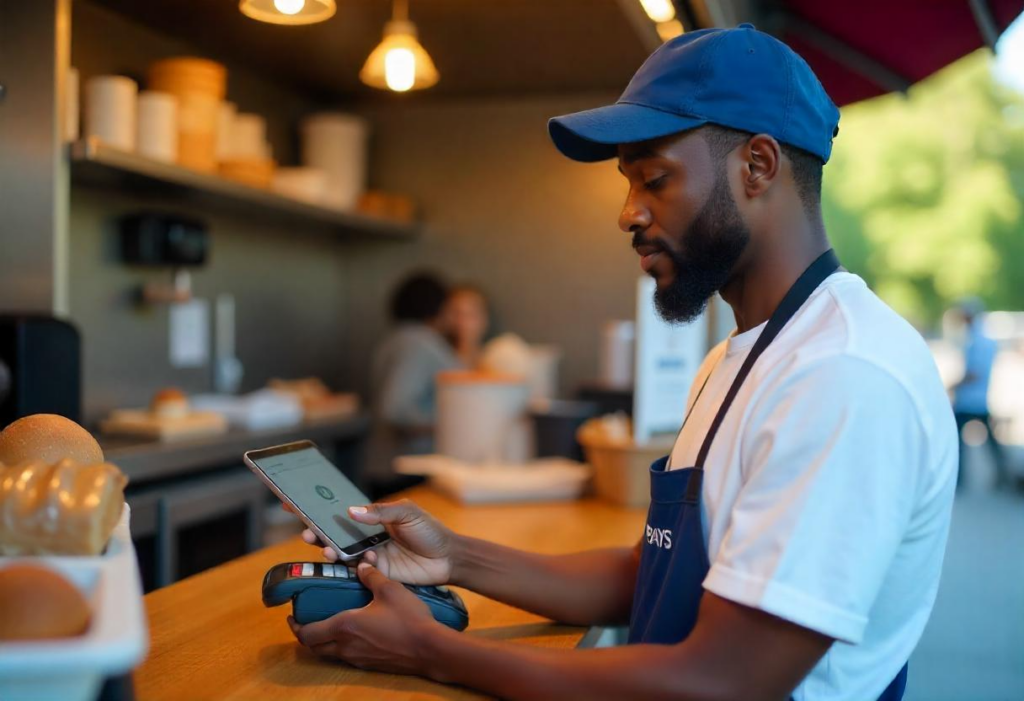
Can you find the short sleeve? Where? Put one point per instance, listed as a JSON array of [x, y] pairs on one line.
[[830, 459]]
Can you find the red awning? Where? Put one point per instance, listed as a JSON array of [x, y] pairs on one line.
[[863, 48]]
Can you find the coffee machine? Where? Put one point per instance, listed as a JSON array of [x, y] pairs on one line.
[[40, 367]]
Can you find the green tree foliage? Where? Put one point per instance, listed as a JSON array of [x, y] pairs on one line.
[[924, 194]]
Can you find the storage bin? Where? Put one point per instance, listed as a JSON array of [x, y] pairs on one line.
[[621, 467], [73, 669], [200, 86]]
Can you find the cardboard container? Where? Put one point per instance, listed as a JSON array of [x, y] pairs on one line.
[[621, 467], [200, 86]]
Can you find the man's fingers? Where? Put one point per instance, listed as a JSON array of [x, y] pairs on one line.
[[372, 579], [310, 537], [325, 650], [391, 512], [330, 555], [312, 634]]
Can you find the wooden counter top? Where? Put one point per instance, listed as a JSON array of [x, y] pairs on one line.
[[211, 637]]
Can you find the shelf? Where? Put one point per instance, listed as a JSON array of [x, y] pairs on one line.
[[95, 164]]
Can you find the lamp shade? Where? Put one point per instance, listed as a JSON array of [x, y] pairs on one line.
[[399, 62], [291, 12]]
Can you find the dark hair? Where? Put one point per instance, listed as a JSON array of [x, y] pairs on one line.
[[418, 298], [806, 166]]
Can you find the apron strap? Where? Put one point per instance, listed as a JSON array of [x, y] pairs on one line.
[[826, 264]]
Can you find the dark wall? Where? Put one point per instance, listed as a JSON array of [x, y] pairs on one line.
[[289, 284]]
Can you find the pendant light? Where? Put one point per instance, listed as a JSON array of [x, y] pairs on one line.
[[659, 10], [399, 62], [288, 11]]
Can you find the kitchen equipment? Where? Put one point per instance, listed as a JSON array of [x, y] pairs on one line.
[[157, 134], [306, 184], [544, 361], [481, 417], [337, 144], [153, 238], [618, 339], [110, 109], [200, 86], [319, 590], [227, 368], [555, 423], [72, 669], [40, 368]]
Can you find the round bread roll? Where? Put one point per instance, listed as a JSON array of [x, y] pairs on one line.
[[38, 603], [47, 438], [169, 403]]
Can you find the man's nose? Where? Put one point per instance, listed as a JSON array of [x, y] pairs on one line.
[[633, 216]]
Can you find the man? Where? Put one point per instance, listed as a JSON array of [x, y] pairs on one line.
[[796, 533], [970, 394]]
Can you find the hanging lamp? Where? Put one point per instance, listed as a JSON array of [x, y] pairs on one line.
[[291, 12], [399, 62]]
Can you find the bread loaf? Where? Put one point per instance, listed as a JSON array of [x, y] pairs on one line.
[[63, 508]]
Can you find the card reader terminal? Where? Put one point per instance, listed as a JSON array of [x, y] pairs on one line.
[[318, 590]]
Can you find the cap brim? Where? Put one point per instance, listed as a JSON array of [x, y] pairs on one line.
[[594, 135]]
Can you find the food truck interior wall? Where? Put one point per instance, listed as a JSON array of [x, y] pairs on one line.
[[502, 210]]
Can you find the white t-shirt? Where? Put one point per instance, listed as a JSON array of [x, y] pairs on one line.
[[828, 489]]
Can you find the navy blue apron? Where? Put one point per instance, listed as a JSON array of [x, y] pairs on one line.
[[674, 559]]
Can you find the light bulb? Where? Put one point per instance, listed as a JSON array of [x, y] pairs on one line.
[[289, 7], [400, 69], [670, 30], [659, 10]]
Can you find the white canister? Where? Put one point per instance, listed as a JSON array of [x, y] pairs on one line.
[[248, 137], [337, 144], [110, 102], [481, 418], [544, 361], [618, 341], [158, 126]]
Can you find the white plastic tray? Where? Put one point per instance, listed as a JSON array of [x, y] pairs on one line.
[[547, 479], [73, 669]]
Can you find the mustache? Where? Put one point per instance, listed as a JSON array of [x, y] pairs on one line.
[[639, 240]]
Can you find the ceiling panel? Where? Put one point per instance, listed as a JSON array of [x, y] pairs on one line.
[[481, 47]]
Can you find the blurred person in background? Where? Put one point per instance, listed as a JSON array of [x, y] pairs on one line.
[[970, 394], [466, 320], [402, 381]]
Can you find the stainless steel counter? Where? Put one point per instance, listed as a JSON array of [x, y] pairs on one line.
[[146, 460]]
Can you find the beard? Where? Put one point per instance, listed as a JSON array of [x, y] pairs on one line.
[[713, 244]]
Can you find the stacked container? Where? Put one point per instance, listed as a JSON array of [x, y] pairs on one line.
[[200, 86]]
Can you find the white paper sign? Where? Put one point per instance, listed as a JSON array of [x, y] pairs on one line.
[[190, 334], [667, 358]]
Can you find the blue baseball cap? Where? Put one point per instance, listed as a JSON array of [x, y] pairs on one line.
[[738, 78]]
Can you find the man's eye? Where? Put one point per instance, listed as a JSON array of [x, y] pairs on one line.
[[654, 184]]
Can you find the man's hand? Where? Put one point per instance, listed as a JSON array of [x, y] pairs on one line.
[[381, 636], [420, 549]]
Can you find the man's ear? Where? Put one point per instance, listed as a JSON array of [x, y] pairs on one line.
[[762, 158]]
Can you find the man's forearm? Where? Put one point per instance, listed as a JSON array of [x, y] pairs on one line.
[[588, 588], [513, 671]]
